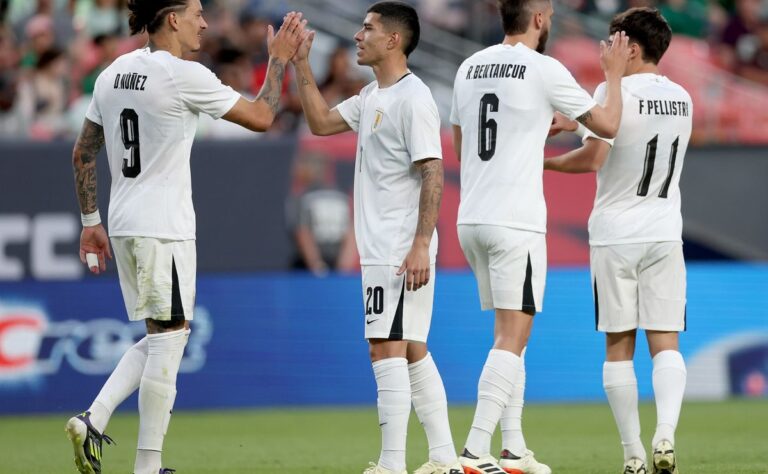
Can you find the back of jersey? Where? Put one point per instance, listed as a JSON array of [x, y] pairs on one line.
[[148, 104], [638, 192], [504, 98]]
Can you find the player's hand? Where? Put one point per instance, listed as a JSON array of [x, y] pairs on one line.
[[561, 123], [416, 267], [94, 240], [302, 53], [614, 57], [286, 41]]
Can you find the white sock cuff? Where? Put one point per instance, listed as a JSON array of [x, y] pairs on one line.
[[619, 374], [505, 360], [391, 362], [167, 342], [668, 360], [421, 363]]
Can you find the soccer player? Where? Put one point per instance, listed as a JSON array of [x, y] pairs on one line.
[[504, 99], [398, 187], [145, 109], [636, 257]]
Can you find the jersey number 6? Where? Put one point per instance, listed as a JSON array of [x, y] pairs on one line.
[[487, 128], [129, 131]]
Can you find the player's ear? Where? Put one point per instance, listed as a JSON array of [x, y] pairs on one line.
[[173, 21], [395, 38]]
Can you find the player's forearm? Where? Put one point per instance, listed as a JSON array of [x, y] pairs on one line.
[[87, 147], [315, 107], [273, 87], [429, 200], [586, 159], [605, 120]]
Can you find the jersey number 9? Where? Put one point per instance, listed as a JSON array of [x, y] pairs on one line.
[[129, 131]]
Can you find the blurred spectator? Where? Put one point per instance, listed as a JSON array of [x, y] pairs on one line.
[[40, 38], [687, 17], [234, 69], [44, 96], [755, 67], [738, 41], [319, 218], [105, 51], [11, 120], [342, 81], [59, 11], [101, 17], [451, 15]]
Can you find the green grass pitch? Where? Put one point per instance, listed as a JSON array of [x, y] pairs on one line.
[[722, 438]]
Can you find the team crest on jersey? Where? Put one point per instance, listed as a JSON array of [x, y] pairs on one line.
[[377, 119]]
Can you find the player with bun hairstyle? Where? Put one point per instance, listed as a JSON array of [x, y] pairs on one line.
[[145, 108]]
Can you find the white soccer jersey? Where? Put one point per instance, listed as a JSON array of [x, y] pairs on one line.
[[638, 192], [397, 126], [504, 98], [148, 103]]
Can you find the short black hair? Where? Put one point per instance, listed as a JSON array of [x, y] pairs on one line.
[[516, 15], [646, 27], [149, 14], [403, 16]]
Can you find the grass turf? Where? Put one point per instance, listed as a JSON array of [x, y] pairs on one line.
[[723, 438]]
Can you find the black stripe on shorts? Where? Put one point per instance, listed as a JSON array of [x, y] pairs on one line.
[[396, 332], [529, 303], [597, 304]]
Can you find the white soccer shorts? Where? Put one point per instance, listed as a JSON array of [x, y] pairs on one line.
[[639, 286], [510, 266], [391, 311], [157, 277]]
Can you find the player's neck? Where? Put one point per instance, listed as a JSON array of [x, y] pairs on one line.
[[644, 68], [529, 39], [163, 42], [390, 70]]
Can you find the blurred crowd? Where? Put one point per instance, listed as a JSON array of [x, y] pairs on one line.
[[51, 51]]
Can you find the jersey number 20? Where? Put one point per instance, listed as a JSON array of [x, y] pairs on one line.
[[129, 131]]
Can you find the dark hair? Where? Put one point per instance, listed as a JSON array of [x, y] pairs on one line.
[[48, 57], [149, 14], [403, 16], [646, 27], [516, 15]]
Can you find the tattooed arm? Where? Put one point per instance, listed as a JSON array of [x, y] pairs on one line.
[[259, 114], [417, 264], [321, 119], [88, 145], [93, 239]]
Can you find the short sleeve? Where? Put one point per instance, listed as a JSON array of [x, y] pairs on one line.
[[455, 103], [350, 111], [94, 112], [565, 94], [421, 127], [203, 92], [599, 97]]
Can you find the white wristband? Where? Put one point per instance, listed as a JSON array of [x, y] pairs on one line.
[[90, 220], [581, 130]]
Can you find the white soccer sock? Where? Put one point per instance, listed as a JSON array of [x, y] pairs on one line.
[[157, 393], [669, 376], [620, 386], [493, 392], [394, 405], [431, 405], [123, 381], [511, 420]]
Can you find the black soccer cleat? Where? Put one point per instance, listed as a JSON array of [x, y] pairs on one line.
[[86, 442]]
